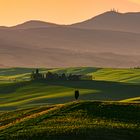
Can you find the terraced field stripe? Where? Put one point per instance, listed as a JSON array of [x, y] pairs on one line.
[[136, 99], [35, 115]]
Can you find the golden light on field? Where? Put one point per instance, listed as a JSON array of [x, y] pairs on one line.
[[59, 11]]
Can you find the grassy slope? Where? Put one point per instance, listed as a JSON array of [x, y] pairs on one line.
[[13, 95], [18, 95], [16, 74], [118, 75], [102, 74], [77, 120]]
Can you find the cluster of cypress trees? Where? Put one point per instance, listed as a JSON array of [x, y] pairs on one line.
[[54, 76]]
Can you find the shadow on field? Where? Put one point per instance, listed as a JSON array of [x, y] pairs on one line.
[[89, 90], [107, 110], [12, 87], [107, 90]]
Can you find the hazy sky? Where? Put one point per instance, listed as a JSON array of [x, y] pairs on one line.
[[59, 11]]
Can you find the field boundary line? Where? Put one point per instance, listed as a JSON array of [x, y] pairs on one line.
[[29, 117]]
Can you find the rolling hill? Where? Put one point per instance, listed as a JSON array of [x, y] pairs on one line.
[[42, 44], [34, 24], [63, 47], [131, 76], [77, 120], [17, 91], [109, 103], [113, 20]]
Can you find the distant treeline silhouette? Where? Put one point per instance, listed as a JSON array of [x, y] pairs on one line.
[[54, 76]]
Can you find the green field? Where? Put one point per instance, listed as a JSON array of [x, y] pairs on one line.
[[102, 74], [107, 85], [72, 121], [108, 107], [23, 94]]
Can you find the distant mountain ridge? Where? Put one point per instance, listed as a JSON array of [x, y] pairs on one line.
[[31, 24], [126, 22], [111, 20], [34, 24], [42, 44]]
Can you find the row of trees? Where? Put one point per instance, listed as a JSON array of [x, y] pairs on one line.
[[54, 76]]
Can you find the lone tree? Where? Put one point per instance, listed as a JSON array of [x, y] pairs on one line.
[[76, 94]]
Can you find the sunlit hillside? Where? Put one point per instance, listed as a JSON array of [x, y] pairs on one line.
[[17, 91]]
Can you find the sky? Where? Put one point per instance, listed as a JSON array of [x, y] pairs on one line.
[[13, 12]]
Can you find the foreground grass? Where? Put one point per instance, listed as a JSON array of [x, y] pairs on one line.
[[77, 120]]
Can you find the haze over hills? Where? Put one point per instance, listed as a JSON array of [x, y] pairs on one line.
[[100, 41]]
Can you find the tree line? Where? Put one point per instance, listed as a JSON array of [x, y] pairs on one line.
[[55, 77]]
